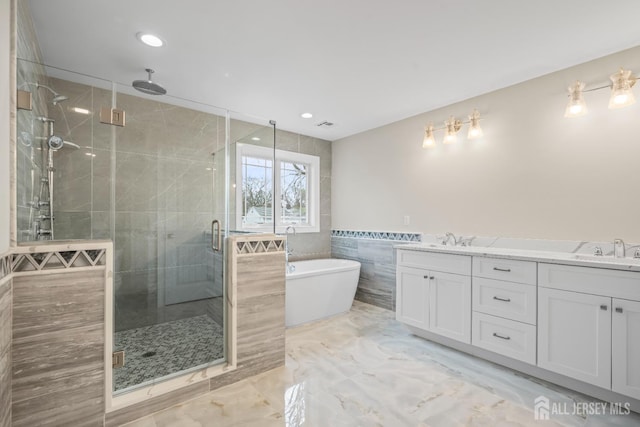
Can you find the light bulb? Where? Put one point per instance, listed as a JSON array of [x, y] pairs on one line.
[[429, 140], [452, 126], [621, 95], [475, 131], [576, 106]]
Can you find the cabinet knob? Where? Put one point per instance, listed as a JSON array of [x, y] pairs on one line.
[[618, 309], [432, 277], [426, 277], [603, 307]]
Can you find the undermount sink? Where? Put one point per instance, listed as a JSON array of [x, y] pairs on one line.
[[602, 258]]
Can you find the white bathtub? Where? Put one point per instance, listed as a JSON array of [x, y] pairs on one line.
[[320, 288]]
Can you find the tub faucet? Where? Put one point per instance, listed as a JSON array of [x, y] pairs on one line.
[[288, 251], [618, 248]]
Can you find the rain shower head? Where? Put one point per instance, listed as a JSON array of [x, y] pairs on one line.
[[148, 86]]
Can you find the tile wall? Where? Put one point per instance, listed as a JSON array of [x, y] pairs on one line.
[[377, 257], [5, 341], [56, 332], [312, 245]]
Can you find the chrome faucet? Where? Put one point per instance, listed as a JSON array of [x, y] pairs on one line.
[[597, 251], [449, 236], [637, 253], [288, 251], [618, 248]]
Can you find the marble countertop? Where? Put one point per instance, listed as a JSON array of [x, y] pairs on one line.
[[566, 258]]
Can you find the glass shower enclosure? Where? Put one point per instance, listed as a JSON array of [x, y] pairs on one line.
[[160, 187]]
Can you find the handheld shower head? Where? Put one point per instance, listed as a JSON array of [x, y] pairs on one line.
[[59, 98], [148, 86]]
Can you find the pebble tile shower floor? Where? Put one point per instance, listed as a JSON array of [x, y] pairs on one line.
[[166, 348]]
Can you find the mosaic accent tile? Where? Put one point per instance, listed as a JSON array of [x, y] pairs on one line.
[[378, 235], [176, 346], [57, 260], [259, 246]]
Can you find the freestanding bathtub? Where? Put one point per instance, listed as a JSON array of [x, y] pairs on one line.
[[320, 288]]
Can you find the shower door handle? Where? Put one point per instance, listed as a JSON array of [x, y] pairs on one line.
[[215, 235]]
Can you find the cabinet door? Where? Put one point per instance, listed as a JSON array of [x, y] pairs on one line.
[[412, 296], [626, 348], [574, 335], [450, 306]]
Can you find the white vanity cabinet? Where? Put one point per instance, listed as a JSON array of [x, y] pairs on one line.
[[434, 293], [589, 325]]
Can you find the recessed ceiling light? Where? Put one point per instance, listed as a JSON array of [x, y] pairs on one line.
[[255, 138], [150, 39], [306, 115]]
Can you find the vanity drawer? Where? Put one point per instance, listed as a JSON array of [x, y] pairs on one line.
[[510, 300], [506, 337], [447, 263], [505, 269], [588, 280]]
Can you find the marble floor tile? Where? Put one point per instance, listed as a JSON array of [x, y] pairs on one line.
[[365, 369]]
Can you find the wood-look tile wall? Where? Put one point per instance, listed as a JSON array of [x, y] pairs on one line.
[[261, 328], [5, 352], [58, 348], [377, 284]]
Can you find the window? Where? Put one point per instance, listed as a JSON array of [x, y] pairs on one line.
[[291, 180]]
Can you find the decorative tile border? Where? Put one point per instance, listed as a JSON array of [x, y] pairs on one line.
[[257, 246], [57, 260], [378, 235]]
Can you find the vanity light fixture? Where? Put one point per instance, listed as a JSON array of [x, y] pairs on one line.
[[621, 95], [150, 39], [576, 106], [475, 131], [429, 139], [451, 127]]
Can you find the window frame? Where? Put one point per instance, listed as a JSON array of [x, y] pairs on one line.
[[313, 189]]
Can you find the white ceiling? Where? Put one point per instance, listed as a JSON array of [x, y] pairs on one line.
[[357, 63]]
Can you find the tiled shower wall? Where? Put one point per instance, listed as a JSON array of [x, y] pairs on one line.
[[377, 256], [29, 161], [312, 245]]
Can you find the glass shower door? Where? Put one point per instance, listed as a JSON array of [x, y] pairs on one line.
[[168, 284]]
